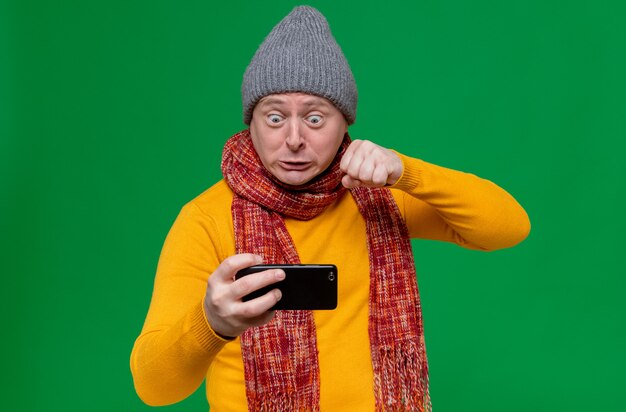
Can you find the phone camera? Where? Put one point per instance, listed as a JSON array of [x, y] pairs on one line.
[[331, 277]]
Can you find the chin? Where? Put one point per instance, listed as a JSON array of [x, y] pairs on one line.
[[295, 180]]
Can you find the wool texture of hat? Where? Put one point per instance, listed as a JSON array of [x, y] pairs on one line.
[[300, 55]]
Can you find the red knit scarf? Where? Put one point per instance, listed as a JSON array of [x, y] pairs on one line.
[[280, 358]]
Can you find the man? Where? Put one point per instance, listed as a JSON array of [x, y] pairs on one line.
[[296, 189]]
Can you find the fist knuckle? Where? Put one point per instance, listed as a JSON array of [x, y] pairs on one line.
[[354, 170]]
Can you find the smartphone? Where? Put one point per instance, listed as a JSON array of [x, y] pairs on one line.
[[305, 287]]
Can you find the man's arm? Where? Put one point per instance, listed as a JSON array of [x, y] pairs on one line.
[[444, 204], [439, 203], [193, 315], [170, 358]]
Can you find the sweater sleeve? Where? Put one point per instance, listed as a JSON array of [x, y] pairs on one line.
[[444, 204], [171, 356]]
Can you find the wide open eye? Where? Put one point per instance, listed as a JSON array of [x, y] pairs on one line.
[[314, 119], [274, 119]]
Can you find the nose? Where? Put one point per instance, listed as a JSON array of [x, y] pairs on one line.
[[294, 139]]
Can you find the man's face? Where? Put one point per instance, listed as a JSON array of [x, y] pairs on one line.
[[296, 135]]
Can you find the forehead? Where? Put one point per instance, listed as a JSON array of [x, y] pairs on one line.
[[301, 99]]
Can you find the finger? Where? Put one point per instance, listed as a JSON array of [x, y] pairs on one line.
[[255, 281], [232, 264], [366, 170], [258, 306], [380, 176], [357, 159], [349, 182]]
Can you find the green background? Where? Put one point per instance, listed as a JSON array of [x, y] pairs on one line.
[[113, 115]]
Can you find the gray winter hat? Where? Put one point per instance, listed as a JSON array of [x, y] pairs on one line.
[[300, 55]]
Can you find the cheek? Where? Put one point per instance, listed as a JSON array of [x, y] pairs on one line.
[[257, 141], [264, 143], [328, 150]]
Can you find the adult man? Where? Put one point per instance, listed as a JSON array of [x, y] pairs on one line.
[[297, 189]]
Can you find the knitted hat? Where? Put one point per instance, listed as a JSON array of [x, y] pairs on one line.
[[300, 55]]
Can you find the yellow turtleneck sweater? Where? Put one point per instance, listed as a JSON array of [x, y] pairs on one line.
[[177, 348]]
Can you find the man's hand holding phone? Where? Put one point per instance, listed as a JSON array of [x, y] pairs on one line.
[[227, 314]]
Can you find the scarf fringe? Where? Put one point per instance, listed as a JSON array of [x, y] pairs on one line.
[[280, 403], [405, 385]]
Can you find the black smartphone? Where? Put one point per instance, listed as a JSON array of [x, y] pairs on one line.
[[305, 287]]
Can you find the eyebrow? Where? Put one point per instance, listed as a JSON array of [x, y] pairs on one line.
[[271, 100]]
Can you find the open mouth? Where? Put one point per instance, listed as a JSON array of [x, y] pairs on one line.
[[287, 165]]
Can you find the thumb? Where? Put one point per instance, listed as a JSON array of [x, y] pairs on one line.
[[349, 182]]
